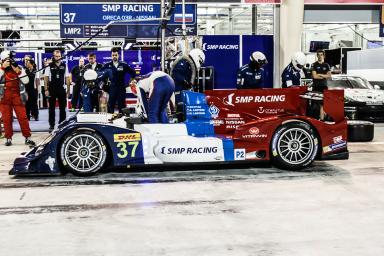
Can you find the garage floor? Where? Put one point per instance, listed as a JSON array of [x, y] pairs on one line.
[[335, 208]]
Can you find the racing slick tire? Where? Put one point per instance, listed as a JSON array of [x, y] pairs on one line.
[[360, 131], [83, 153], [294, 146]]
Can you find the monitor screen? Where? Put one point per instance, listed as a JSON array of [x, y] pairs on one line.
[[374, 44], [316, 45]]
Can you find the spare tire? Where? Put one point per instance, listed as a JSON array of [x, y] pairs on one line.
[[360, 131]]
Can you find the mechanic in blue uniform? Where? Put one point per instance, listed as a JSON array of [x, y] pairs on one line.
[[89, 84], [117, 70], [251, 75], [89, 93], [185, 69], [293, 73], [160, 88]]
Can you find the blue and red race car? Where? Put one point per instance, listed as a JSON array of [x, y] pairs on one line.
[[220, 126]]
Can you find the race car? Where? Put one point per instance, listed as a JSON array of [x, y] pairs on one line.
[[220, 126]]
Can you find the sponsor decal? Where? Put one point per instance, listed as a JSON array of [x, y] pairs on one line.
[[220, 47], [218, 122], [233, 115], [254, 130], [337, 139], [50, 162], [124, 137], [239, 154], [188, 150], [231, 100], [214, 111], [262, 110], [254, 133]]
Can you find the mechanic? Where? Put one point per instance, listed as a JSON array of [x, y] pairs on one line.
[[89, 84], [13, 97], [293, 73], [92, 93], [56, 75], [321, 71], [160, 88], [77, 80], [251, 75], [117, 71], [31, 104], [184, 71]]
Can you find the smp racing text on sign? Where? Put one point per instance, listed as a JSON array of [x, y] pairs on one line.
[[189, 150]]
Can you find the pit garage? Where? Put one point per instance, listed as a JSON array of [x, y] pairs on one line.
[[276, 168]]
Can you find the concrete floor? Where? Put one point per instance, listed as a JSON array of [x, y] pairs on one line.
[[335, 208]]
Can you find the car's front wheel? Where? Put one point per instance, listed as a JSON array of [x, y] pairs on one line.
[[83, 153], [294, 146]]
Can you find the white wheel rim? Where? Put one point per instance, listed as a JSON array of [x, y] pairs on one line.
[[83, 153], [295, 146]]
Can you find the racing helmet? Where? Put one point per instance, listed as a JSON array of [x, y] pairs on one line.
[[90, 77], [5, 55], [258, 58], [197, 56], [298, 60]]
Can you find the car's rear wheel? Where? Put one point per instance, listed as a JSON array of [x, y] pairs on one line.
[[83, 153], [294, 146]]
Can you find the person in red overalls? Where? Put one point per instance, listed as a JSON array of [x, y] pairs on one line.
[[13, 97]]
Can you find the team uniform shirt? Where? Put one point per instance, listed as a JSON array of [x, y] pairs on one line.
[[182, 75], [320, 68], [117, 73], [291, 76], [249, 78], [56, 74]]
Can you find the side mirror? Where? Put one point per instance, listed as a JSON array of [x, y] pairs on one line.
[[376, 87]]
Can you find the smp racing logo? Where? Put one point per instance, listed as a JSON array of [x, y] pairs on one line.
[[231, 100], [220, 47], [188, 150]]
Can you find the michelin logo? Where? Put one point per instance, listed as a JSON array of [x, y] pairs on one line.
[[220, 46]]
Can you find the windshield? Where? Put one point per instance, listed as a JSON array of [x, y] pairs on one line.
[[360, 83], [337, 83]]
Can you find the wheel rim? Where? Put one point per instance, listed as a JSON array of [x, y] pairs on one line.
[[83, 153], [295, 146]]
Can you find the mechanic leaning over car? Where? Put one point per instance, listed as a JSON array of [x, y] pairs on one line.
[[321, 71], [91, 93], [117, 70], [251, 75], [293, 73], [184, 71], [13, 97], [160, 88], [56, 76]]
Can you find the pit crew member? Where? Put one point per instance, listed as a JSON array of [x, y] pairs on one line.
[[13, 97], [251, 75], [293, 73]]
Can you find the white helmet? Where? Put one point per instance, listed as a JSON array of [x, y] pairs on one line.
[[90, 75], [5, 54], [197, 56], [259, 58], [299, 60]]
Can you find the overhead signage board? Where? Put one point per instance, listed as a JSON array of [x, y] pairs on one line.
[[85, 20]]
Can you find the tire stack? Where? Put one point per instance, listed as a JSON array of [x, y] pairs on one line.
[[360, 131]]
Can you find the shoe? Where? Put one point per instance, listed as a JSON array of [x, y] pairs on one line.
[[36, 119], [51, 128], [8, 142], [29, 142]]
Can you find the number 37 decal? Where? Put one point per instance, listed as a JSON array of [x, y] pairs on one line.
[[127, 148]]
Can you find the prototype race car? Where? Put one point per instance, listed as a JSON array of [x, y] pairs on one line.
[[220, 126]]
